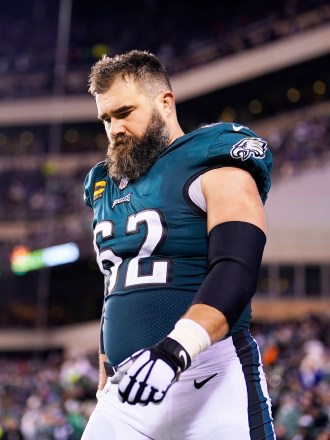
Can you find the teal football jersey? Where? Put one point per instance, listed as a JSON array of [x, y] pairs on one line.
[[150, 239]]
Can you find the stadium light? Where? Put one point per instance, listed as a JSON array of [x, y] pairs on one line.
[[23, 260]]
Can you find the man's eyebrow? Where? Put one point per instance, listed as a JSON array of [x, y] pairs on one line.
[[117, 111]]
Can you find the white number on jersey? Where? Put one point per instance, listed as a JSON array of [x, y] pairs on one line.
[[109, 263]]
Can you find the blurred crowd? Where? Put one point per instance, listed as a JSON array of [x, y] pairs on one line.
[[46, 397], [296, 357], [50, 397], [182, 36], [304, 144]]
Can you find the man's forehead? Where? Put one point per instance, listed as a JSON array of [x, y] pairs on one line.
[[120, 94]]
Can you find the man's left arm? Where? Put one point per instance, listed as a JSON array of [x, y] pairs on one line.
[[231, 195], [236, 224]]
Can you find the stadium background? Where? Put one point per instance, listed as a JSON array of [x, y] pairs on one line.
[[265, 65]]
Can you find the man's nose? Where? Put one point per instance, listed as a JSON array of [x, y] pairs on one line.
[[117, 127]]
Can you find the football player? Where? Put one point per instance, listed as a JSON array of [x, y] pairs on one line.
[[179, 233]]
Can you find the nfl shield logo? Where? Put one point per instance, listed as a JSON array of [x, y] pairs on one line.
[[123, 183]]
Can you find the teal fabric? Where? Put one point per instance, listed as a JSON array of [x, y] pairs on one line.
[[150, 239]]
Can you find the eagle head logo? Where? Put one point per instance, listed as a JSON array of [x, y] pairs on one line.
[[248, 147]]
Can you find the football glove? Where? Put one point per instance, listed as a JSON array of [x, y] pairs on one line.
[[147, 375]]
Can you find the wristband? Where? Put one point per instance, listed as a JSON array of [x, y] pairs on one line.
[[191, 335]]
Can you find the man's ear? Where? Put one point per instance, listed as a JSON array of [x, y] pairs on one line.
[[167, 102]]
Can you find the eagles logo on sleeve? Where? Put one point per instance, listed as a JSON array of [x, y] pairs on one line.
[[248, 147]]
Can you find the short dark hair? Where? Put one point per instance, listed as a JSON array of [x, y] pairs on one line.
[[144, 67]]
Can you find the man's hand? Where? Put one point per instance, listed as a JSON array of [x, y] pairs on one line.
[[147, 375]]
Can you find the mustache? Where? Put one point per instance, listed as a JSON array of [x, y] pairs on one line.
[[119, 139]]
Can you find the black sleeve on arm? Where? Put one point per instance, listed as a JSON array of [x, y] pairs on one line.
[[235, 254]]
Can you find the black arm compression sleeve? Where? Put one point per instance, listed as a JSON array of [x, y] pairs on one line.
[[235, 254]]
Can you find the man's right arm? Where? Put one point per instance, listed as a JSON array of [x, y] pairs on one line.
[[102, 358], [102, 373]]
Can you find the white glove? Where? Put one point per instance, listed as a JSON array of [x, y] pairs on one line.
[[147, 375]]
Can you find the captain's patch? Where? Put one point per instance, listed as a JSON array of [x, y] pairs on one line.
[[99, 188], [248, 147]]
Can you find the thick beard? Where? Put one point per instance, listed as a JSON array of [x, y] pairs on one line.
[[131, 157]]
